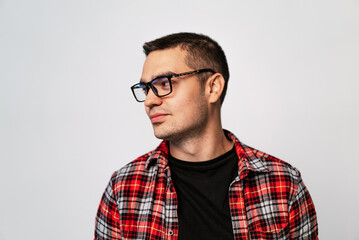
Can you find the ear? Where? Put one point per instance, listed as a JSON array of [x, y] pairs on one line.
[[216, 86]]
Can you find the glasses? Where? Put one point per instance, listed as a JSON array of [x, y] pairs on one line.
[[161, 86]]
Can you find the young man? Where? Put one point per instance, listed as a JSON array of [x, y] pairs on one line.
[[201, 182]]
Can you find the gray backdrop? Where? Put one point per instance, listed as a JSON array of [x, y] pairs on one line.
[[68, 118]]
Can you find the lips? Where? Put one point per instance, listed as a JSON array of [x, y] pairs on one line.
[[157, 117]]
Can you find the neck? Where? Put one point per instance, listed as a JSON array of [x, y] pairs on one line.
[[205, 146]]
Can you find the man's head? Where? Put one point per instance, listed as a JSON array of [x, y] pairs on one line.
[[201, 52], [192, 105]]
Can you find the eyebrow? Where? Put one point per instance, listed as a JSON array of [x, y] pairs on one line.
[[163, 74]]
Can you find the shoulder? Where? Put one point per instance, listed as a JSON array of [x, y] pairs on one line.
[[140, 172], [258, 162], [132, 169], [274, 165], [270, 177]]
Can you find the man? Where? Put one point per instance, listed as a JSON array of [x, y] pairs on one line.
[[201, 182]]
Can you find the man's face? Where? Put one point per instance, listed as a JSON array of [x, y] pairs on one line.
[[184, 112]]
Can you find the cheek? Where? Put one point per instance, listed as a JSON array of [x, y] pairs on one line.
[[180, 99], [190, 94], [191, 106], [186, 101]]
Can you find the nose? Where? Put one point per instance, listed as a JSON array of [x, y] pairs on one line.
[[152, 100]]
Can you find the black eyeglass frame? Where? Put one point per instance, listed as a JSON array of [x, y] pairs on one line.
[[154, 90]]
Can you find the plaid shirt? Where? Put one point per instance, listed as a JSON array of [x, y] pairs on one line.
[[268, 199]]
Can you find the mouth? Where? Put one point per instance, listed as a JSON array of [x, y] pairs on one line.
[[158, 117]]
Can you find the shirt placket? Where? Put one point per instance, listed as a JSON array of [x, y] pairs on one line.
[[237, 209], [171, 209]]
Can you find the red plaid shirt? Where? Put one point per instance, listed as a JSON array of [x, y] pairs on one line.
[[268, 199]]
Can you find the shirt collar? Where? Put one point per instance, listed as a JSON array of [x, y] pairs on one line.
[[159, 156], [249, 159]]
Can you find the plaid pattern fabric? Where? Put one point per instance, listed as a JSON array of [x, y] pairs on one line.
[[268, 199]]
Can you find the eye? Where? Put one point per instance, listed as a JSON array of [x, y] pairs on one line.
[[161, 83], [165, 83]]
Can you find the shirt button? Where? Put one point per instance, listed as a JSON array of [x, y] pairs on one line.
[[170, 232]]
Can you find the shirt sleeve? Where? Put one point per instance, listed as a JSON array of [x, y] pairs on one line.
[[107, 220], [302, 215]]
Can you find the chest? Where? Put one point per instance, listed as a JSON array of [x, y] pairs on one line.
[[149, 210]]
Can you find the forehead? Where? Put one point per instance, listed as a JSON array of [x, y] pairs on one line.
[[164, 61]]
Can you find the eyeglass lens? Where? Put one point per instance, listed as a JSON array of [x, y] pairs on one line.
[[160, 86]]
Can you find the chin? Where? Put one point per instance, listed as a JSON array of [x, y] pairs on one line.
[[159, 133], [164, 134]]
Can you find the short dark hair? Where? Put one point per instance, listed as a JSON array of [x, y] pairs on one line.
[[201, 52]]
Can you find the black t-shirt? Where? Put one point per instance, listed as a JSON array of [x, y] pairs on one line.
[[202, 191]]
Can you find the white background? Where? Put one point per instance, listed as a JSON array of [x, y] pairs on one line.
[[68, 118]]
